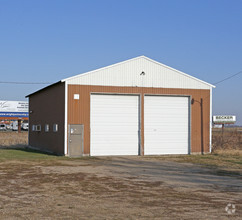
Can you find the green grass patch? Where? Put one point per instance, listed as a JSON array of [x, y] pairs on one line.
[[26, 154], [215, 161], [219, 164]]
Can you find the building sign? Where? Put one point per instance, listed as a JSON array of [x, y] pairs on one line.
[[224, 119], [19, 109]]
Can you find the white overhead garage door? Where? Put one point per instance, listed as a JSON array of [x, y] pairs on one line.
[[166, 125], [114, 125]]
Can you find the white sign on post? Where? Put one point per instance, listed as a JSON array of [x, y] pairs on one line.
[[14, 109], [224, 119], [14, 106]]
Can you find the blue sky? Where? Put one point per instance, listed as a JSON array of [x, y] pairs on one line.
[[45, 41]]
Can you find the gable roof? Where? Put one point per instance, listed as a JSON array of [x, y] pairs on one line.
[[113, 75], [127, 73]]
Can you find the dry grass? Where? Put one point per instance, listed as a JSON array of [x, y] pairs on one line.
[[11, 139], [227, 142]]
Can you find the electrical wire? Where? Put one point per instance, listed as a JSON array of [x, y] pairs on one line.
[[224, 80], [25, 82], [228, 78], [2, 82]]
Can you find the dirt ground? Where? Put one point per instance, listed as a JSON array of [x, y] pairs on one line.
[[39, 186], [115, 188]]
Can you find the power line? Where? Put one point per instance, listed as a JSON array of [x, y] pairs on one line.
[[29, 83], [228, 78], [32, 83], [224, 80]]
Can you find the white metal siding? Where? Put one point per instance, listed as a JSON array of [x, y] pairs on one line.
[[128, 74], [166, 125], [114, 125]]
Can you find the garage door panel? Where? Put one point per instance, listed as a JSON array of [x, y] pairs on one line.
[[166, 125], [167, 152], [169, 111], [167, 121], [165, 136], [163, 113], [114, 125], [122, 120]]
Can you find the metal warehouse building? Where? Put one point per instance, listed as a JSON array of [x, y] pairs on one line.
[[136, 107]]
